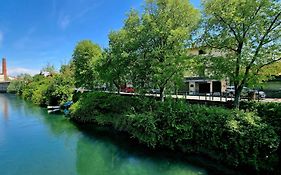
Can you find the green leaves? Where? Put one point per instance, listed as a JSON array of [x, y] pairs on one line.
[[51, 90], [234, 137], [84, 58], [249, 32], [150, 49]]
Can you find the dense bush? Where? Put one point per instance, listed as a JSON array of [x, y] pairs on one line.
[[269, 112], [235, 137], [17, 85], [273, 93], [45, 90]]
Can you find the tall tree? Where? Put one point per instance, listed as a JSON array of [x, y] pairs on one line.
[[156, 40], [248, 32], [85, 57], [118, 59], [167, 27]]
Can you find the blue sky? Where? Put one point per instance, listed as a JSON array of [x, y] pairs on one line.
[[34, 33]]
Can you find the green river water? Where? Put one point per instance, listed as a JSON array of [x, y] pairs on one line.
[[32, 142]]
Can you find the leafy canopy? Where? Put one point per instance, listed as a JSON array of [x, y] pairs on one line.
[[150, 48], [248, 31], [85, 57]]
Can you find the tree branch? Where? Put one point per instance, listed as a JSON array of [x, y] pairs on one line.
[[253, 17], [266, 64], [230, 27], [269, 29], [220, 47]]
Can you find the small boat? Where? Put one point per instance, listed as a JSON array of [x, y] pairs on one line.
[[53, 111], [68, 104], [66, 107], [53, 107]]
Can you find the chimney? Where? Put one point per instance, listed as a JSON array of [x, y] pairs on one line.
[[4, 69]]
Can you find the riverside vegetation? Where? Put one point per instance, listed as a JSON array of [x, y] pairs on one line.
[[237, 138], [151, 51], [53, 89]]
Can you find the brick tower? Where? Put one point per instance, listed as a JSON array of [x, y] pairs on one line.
[[4, 69]]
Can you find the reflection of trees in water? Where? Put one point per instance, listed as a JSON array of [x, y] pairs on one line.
[[99, 155], [99, 152], [57, 124], [4, 106]]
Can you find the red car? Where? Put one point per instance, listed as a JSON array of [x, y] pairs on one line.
[[128, 90]]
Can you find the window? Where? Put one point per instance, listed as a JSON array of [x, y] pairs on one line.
[[201, 52]]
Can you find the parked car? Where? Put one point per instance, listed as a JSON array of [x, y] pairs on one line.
[[259, 94], [128, 90], [154, 91], [230, 91]]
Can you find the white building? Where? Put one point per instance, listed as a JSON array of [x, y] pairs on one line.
[[201, 84]]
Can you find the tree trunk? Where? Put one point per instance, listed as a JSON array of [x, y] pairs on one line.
[[162, 89], [117, 86], [238, 91]]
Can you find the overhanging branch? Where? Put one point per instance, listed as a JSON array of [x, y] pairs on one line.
[[267, 64]]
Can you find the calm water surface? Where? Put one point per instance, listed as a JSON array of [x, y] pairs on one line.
[[34, 142]]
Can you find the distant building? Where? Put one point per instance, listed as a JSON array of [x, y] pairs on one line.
[[4, 83], [45, 73], [3, 75], [203, 84]]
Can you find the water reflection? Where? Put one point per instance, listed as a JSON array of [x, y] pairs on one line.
[[4, 107], [101, 151], [39, 143]]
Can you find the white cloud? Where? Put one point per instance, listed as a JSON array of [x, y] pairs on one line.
[[1, 38], [63, 21], [21, 70], [70, 14]]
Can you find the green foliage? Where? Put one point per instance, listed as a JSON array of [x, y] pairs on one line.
[[37, 89], [150, 48], [49, 68], [248, 33], [16, 86], [269, 112], [85, 56], [51, 90], [231, 136]]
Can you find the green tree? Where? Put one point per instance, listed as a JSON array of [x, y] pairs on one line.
[[150, 48], [61, 88], [248, 33], [18, 84], [85, 57], [50, 68], [166, 29], [114, 67]]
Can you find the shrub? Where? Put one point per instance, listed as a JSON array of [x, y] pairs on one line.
[[269, 112], [232, 136]]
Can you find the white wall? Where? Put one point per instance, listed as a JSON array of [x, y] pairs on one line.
[[2, 78]]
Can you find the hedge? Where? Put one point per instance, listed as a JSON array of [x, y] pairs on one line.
[[270, 113], [234, 137]]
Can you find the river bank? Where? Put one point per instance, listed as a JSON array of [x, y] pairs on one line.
[[98, 119], [231, 137], [132, 145]]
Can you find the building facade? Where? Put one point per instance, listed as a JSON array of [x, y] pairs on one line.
[[201, 83], [4, 81]]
